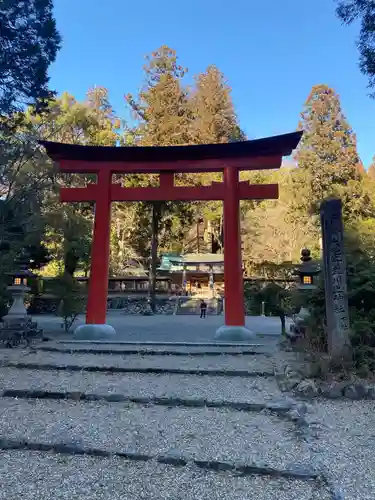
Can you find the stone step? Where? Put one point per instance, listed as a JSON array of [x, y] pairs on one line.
[[171, 345], [277, 407], [30, 475], [150, 350], [204, 434], [255, 390], [268, 343], [225, 364]]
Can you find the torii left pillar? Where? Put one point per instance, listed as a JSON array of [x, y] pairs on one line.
[[96, 326]]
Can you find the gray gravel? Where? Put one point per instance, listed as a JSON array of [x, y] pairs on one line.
[[225, 362], [41, 476], [249, 390], [194, 433], [346, 445]]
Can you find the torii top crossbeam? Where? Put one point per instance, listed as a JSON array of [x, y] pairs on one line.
[[245, 155], [228, 158]]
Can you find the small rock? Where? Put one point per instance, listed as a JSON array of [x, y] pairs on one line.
[[307, 388], [283, 341], [338, 494], [294, 414], [280, 406], [298, 412], [301, 471], [355, 391], [302, 409], [76, 396], [333, 390], [288, 384], [370, 393], [289, 372]]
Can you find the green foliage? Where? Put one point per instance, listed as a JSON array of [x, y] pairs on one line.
[[168, 113], [164, 114], [253, 298], [327, 155], [57, 238], [68, 228], [279, 300], [215, 120], [71, 298], [363, 10], [162, 107], [29, 43], [361, 288], [316, 334], [371, 170], [329, 166], [361, 296]]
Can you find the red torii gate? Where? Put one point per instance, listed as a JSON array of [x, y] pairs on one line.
[[229, 158]]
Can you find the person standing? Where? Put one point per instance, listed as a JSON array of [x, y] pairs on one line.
[[203, 308]]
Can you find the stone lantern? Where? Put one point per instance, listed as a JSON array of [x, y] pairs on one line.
[[18, 289], [17, 328], [307, 273]]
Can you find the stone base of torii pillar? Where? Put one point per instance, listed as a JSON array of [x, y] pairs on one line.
[[234, 333], [94, 332]]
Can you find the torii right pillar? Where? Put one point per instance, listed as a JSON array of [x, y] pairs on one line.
[[234, 328]]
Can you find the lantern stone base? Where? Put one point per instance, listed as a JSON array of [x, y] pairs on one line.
[[94, 332], [234, 333], [17, 310], [298, 327]]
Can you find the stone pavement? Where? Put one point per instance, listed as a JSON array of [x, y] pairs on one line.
[[158, 421], [165, 328]]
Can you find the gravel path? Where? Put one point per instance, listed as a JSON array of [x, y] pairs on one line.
[[249, 390], [345, 445], [206, 434], [32, 476], [225, 362]]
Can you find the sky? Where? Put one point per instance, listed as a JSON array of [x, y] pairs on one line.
[[271, 51]]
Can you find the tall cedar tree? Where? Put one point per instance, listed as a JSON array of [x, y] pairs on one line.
[[215, 121], [163, 104], [327, 156], [29, 42], [165, 115], [215, 118], [363, 10]]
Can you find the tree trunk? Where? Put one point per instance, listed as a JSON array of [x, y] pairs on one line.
[[71, 263], [155, 223]]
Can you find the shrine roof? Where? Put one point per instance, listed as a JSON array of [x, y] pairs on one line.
[[282, 145]]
